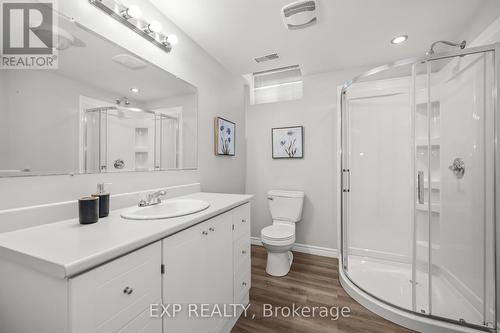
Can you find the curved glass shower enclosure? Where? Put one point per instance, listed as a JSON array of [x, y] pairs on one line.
[[418, 186]]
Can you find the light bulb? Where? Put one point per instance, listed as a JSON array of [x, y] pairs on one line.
[[132, 12], [172, 39], [154, 26]]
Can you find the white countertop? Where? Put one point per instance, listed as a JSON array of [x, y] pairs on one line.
[[66, 248]]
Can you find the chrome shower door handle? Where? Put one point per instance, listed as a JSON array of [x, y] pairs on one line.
[[420, 187]]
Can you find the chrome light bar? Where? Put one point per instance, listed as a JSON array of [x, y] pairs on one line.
[[130, 19]]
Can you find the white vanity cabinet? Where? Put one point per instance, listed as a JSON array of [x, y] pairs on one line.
[[205, 264]]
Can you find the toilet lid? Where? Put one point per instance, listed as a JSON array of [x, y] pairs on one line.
[[282, 232]]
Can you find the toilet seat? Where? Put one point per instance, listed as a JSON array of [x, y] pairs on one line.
[[277, 234]]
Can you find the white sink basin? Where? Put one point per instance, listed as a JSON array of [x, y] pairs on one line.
[[167, 209]]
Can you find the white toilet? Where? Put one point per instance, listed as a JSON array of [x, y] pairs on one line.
[[278, 238]]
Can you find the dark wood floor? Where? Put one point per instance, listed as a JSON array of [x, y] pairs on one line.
[[312, 281]]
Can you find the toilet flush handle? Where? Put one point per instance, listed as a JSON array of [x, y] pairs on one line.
[[270, 198]]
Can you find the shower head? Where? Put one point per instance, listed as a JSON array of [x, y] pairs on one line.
[[123, 100], [461, 45]]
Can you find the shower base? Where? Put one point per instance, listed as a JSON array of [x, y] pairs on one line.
[[391, 281]]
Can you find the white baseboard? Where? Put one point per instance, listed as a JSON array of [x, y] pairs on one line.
[[304, 248]]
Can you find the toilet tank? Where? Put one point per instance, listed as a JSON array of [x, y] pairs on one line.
[[286, 205]]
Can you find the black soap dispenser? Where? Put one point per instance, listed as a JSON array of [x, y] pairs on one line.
[[103, 199]]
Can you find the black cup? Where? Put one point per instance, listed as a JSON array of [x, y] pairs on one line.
[[88, 208]]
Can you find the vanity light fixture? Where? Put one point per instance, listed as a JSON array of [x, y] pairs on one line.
[[399, 39], [129, 16]]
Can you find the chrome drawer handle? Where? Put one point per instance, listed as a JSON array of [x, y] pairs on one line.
[[128, 290], [244, 284], [211, 229], [244, 221], [204, 233], [244, 252]]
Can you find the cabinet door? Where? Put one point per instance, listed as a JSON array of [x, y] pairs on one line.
[[185, 281], [199, 271], [220, 261]]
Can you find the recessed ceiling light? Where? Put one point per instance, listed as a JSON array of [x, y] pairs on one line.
[[135, 90], [399, 39]]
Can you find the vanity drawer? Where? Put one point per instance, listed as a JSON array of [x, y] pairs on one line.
[[241, 221], [241, 286], [106, 298], [241, 255], [143, 324]]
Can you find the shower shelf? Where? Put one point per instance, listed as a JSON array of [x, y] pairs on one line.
[[435, 185], [421, 105], [422, 142], [435, 207], [144, 149]]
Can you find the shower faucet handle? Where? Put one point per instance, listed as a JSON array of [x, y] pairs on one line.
[[458, 167]]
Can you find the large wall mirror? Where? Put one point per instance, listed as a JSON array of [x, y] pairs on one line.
[[103, 110]]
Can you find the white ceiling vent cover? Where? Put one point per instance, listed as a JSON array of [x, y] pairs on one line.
[[299, 15]]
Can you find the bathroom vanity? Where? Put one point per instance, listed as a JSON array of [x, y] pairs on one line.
[[64, 277]]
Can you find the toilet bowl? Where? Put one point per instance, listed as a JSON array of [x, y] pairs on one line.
[[279, 238]]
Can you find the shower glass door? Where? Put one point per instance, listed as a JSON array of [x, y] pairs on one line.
[[377, 163], [459, 192], [418, 186]]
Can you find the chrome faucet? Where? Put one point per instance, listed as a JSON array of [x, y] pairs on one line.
[[152, 198]]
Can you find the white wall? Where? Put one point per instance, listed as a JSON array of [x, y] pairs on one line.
[[43, 125], [315, 174], [4, 136], [220, 93]]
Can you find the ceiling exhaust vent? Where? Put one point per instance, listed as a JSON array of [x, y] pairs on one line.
[[268, 57], [299, 15]]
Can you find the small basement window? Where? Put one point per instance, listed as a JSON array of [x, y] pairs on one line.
[[276, 85]]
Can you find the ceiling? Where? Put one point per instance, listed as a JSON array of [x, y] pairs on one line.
[[348, 34], [90, 61]]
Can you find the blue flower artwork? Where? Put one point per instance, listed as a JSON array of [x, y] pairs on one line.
[[287, 142], [224, 137]]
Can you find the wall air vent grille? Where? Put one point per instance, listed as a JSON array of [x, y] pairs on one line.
[[267, 57]]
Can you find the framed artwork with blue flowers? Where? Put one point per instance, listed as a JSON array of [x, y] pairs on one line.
[[288, 142], [224, 136]]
